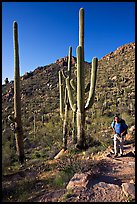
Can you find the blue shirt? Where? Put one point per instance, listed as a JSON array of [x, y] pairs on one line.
[[119, 127]]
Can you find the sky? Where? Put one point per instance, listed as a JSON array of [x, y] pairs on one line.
[[47, 29]]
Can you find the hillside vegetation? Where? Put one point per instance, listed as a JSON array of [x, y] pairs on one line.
[[42, 125]]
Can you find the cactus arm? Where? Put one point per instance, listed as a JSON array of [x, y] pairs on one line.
[[68, 74], [80, 81], [73, 85], [70, 95], [69, 62], [64, 74], [61, 95], [12, 119], [90, 100]]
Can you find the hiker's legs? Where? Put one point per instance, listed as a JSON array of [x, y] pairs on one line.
[[121, 145], [116, 144]]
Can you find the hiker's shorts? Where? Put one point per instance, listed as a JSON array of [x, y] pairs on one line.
[[118, 144]]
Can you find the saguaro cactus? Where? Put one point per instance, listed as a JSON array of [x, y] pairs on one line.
[[17, 99], [64, 100], [80, 105], [6, 81]]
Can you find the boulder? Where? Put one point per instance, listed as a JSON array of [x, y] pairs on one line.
[[132, 128], [129, 189], [79, 180]]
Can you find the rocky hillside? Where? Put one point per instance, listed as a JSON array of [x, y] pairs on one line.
[[115, 92], [42, 125], [116, 78]]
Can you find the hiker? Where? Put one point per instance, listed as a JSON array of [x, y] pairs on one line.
[[120, 129]]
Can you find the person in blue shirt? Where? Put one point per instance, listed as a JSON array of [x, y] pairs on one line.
[[120, 129]]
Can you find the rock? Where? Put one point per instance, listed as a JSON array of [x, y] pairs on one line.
[[128, 137], [119, 50], [114, 78], [132, 128], [64, 61], [61, 153], [132, 164], [132, 181], [27, 75], [107, 192], [79, 180], [104, 185], [129, 189]]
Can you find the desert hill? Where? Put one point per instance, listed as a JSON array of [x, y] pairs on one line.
[[42, 125]]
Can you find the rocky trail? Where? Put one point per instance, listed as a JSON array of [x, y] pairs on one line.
[[113, 180]]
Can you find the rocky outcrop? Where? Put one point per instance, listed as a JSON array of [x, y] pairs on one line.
[[120, 50], [27, 75], [64, 61]]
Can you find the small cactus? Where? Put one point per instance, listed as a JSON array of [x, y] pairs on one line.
[[6, 81]]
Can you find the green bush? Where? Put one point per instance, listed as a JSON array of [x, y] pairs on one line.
[[63, 177]]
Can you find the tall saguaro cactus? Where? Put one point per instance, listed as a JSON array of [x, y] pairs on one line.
[[80, 105], [17, 98]]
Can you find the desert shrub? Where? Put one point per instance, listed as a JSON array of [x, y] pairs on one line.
[[128, 118], [8, 156], [63, 177], [21, 192]]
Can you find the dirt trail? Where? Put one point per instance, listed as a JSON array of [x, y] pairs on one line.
[[105, 185]]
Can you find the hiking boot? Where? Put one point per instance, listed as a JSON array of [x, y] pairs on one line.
[[115, 155]]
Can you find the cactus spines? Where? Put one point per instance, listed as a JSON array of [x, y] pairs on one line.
[[17, 99]]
